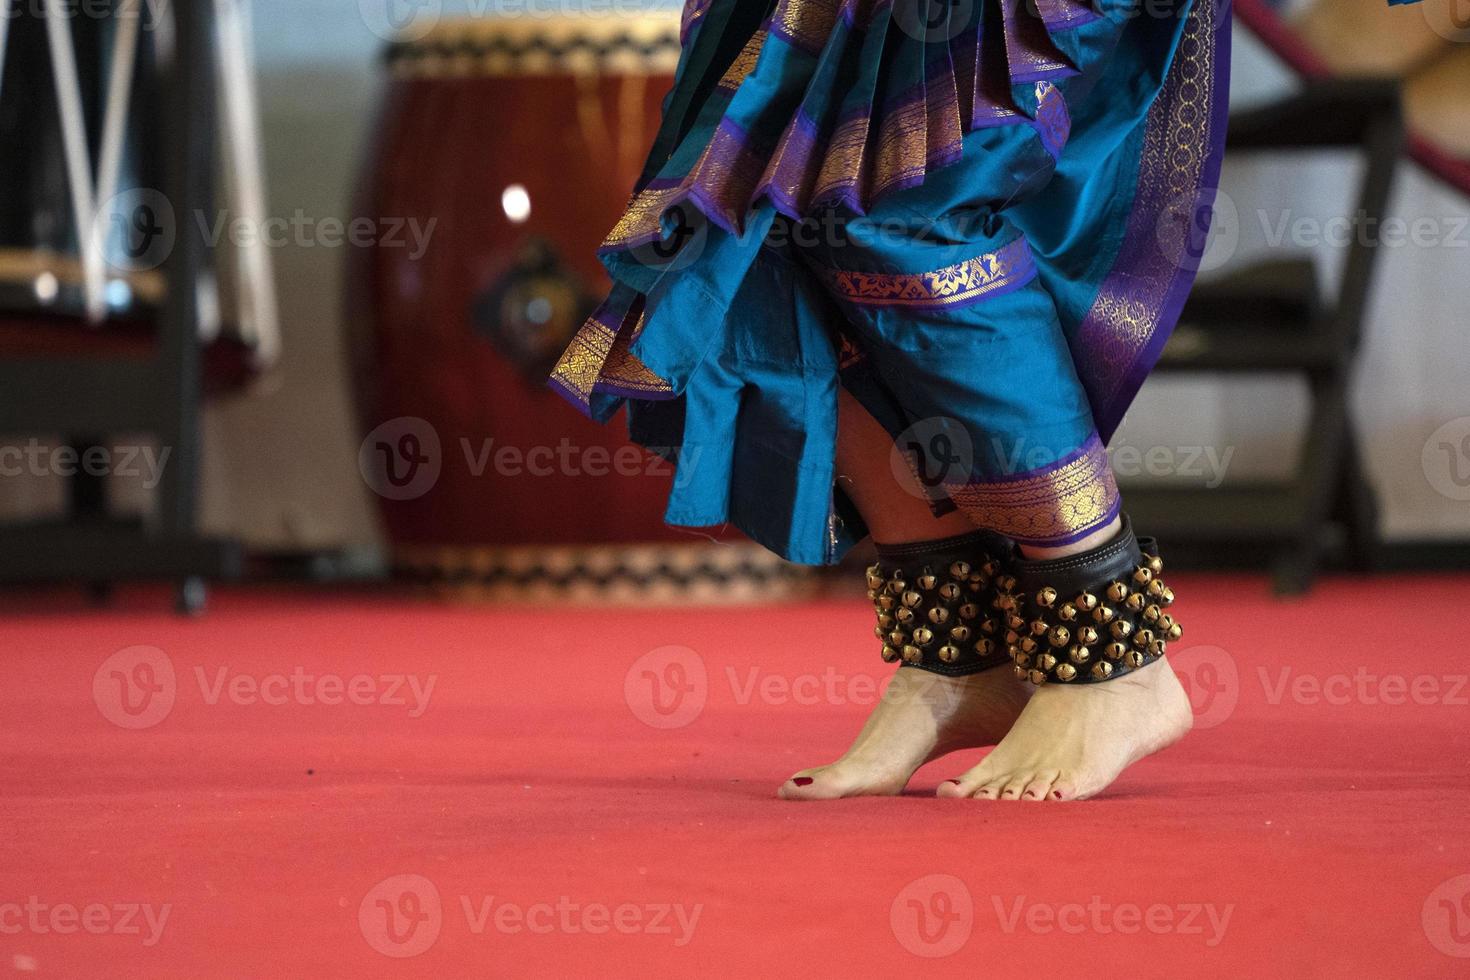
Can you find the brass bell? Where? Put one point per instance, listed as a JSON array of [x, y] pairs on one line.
[[1029, 645], [875, 581], [927, 581], [1038, 678], [923, 636], [1157, 648], [873, 595], [949, 653], [1068, 612], [939, 615], [897, 585], [1087, 636], [1156, 589], [1022, 659], [1121, 628], [885, 602], [1168, 597], [1165, 622], [960, 569], [1115, 651], [949, 591], [1117, 592], [989, 569], [1046, 661], [905, 614], [897, 638], [1066, 672], [1021, 672], [1015, 622], [912, 599], [960, 634], [1047, 597], [1143, 638], [1087, 602], [1038, 627], [1104, 614], [1155, 564], [985, 647], [880, 632], [1143, 576], [1136, 602], [989, 625], [1152, 614], [1004, 602], [1102, 670], [969, 611], [1135, 659], [913, 654], [1060, 636], [1176, 631], [890, 655], [1079, 655], [885, 621], [1007, 583]]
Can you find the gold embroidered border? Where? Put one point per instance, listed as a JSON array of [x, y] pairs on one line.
[[626, 372], [959, 283], [1177, 143], [1052, 506], [805, 23], [903, 146], [581, 363]]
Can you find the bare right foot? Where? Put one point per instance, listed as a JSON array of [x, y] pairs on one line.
[[1072, 741], [922, 716]]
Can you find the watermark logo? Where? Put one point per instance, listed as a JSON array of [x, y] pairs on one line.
[[144, 921], [667, 687], [400, 20], [933, 21], [931, 453], [933, 916], [1212, 681], [1199, 231], [1450, 19], [685, 233], [135, 688], [401, 916], [136, 230], [401, 459], [1446, 917], [1446, 459]]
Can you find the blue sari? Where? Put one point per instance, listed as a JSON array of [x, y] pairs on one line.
[[981, 219]]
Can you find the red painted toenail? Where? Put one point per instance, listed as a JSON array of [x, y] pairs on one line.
[[1057, 795], [955, 781], [802, 780]]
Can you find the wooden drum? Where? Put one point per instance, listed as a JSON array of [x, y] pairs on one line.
[[505, 150]]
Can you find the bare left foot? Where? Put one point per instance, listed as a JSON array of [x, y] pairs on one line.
[[1071, 742], [921, 717]]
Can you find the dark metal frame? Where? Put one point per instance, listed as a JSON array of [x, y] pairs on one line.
[[1320, 343], [86, 399]]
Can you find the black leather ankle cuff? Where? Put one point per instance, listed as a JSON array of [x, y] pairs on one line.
[[1090, 617], [935, 602]]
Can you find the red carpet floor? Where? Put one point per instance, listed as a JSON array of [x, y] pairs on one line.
[[590, 793]]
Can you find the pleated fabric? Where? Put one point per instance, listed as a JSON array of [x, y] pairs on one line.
[[837, 168]]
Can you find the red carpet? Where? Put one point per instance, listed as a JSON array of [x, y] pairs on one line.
[[1316, 827]]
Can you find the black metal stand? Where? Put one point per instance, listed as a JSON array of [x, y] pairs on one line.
[[88, 399], [1274, 319]]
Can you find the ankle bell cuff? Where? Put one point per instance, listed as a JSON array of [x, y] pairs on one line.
[[935, 603], [1090, 617]]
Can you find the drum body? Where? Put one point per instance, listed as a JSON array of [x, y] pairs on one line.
[[506, 150]]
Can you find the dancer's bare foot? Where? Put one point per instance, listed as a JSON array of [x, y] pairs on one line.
[[1071, 742], [921, 717]]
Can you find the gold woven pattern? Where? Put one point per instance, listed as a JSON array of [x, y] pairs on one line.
[[1051, 506]]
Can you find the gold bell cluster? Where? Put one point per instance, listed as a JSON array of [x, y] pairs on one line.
[[941, 618], [1091, 636]]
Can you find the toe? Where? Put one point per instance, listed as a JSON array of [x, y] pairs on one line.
[[952, 789], [1015, 786], [1063, 788], [802, 786], [990, 790], [1040, 786]]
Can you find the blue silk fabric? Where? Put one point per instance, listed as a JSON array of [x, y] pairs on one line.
[[981, 218]]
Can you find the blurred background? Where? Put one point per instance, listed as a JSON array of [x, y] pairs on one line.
[[1316, 406]]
